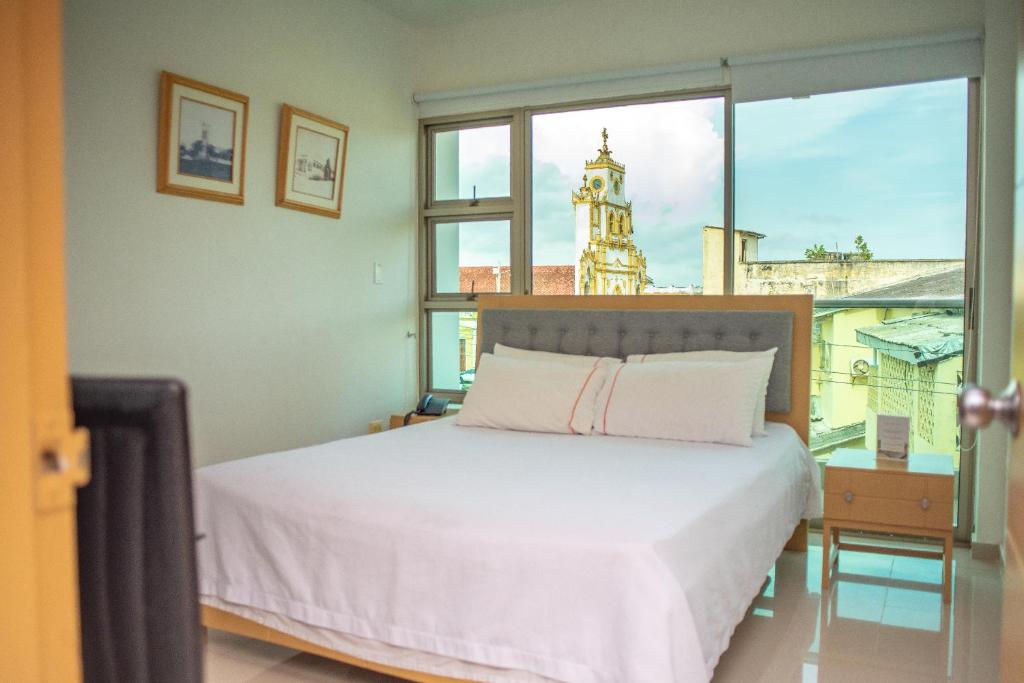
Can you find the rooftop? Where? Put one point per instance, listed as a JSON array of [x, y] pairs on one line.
[[546, 279], [948, 284], [917, 339], [737, 230]]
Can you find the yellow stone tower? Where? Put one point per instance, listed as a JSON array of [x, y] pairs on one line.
[[609, 261]]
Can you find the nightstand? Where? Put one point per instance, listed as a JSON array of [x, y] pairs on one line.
[[911, 498], [396, 421]]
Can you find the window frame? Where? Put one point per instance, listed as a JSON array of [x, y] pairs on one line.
[[431, 224], [517, 208], [432, 212], [450, 124]]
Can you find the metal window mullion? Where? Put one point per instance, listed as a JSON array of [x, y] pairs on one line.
[[520, 256], [729, 218], [464, 208], [425, 190], [965, 504], [452, 304]]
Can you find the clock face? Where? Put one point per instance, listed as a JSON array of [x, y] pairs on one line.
[[597, 184]]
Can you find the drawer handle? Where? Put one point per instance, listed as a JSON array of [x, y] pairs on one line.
[[848, 496], [925, 503]]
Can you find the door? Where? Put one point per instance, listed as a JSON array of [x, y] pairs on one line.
[[41, 455], [1012, 658]]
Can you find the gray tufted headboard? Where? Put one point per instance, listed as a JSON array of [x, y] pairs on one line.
[[624, 332]]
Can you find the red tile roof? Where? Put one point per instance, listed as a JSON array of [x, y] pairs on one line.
[[546, 279]]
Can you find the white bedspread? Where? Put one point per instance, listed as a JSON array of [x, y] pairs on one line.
[[575, 558]]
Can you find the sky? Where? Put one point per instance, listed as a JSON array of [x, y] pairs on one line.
[[888, 164]]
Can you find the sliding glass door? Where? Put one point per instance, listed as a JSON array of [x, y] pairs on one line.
[[860, 198]]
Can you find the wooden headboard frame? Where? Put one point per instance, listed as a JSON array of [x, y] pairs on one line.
[[800, 305]]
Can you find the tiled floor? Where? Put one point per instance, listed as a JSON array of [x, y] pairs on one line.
[[883, 620]]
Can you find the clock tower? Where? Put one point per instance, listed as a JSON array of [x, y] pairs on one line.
[[609, 262]]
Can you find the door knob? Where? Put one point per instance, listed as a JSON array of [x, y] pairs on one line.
[[976, 407]]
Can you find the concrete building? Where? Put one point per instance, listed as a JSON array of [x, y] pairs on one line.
[[826, 279]]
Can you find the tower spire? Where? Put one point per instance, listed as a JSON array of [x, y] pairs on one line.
[[604, 151]]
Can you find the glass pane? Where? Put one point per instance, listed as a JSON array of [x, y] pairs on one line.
[[472, 257], [452, 349], [473, 163], [860, 198], [595, 231]]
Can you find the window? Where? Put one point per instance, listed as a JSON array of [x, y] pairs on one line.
[[472, 162], [471, 256], [624, 198], [861, 199], [470, 223], [452, 350], [621, 196]]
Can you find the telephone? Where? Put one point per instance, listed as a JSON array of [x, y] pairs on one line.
[[428, 405]]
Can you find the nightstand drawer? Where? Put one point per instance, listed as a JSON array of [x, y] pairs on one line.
[[892, 485], [922, 513]]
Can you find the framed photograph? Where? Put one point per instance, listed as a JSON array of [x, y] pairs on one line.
[[201, 150], [311, 162]]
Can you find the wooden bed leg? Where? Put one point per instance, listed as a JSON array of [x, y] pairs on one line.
[[798, 541]]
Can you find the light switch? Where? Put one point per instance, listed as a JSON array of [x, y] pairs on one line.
[[378, 273]]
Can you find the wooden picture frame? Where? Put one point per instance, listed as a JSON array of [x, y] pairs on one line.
[[311, 162], [201, 142]]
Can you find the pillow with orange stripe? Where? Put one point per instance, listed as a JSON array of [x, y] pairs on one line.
[[532, 396], [711, 402], [527, 354]]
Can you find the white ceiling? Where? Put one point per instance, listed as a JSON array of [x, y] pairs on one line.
[[439, 12]]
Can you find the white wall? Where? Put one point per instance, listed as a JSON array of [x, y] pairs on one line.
[[569, 37], [269, 315]]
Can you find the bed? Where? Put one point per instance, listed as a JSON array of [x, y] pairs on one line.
[[446, 553]]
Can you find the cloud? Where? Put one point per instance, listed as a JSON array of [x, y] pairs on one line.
[[674, 158], [484, 243], [801, 128]]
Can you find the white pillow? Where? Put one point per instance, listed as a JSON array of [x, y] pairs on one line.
[[680, 400], [525, 354], [532, 396], [768, 360]]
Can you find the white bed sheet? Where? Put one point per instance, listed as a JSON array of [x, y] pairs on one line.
[[574, 558]]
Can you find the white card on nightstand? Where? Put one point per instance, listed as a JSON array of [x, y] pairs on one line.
[[893, 434]]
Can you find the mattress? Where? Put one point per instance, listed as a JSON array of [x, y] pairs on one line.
[[570, 558]]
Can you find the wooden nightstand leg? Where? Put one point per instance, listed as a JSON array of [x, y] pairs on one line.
[[826, 555], [947, 568]]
